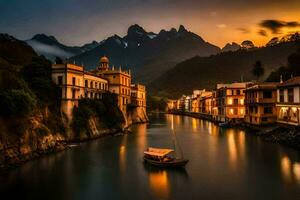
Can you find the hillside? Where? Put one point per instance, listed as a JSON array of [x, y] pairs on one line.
[[50, 47], [15, 52], [206, 72], [148, 54]]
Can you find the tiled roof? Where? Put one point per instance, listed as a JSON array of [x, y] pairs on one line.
[[291, 82]]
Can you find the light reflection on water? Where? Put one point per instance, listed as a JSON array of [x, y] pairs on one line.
[[224, 163]]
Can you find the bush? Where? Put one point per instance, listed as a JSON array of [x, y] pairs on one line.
[[38, 76], [105, 109], [16, 102]]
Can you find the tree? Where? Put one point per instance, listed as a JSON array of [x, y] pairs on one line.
[[258, 69], [58, 60]]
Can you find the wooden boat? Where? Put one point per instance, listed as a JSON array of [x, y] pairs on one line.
[[163, 158], [166, 157], [224, 124]]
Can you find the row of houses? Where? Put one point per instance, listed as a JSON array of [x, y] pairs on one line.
[[254, 103]]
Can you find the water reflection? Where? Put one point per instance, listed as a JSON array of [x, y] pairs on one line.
[[159, 184], [290, 170], [161, 180], [224, 164], [236, 147]]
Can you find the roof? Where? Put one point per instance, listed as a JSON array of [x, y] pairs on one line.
[[291, 82], [262, 86], [158, 152]]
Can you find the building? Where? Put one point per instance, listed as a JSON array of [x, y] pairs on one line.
[[230, 102], [119, 82], [138, 95], [214, 106], [171, 105], [205, 103], [260, 100], [75, 83], [288, 101]]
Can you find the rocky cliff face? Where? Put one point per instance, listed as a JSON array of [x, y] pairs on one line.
[[136, 115], [24, 139]]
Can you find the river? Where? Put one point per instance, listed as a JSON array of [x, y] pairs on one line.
[[224, 164]]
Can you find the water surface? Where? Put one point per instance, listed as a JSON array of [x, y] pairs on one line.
[[224, 164]]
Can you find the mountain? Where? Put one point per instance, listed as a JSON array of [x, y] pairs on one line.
[[205, 72], [231, 47], [148, 54], [247, 44], [14, 51], [50, 47]]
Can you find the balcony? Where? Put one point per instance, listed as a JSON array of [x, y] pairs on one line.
[[260, 100]]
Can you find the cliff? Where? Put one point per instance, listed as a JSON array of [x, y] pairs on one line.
[[136, 115]]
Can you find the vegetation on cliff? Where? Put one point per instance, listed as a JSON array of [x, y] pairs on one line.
[[105, 110]]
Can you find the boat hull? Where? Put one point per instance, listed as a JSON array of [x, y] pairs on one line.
[[175, 163]]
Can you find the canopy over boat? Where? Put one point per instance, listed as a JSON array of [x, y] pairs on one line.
[[158, 152]]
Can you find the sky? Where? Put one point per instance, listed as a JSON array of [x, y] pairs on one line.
[[75, 22]]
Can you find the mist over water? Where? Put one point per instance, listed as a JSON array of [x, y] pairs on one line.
[[224, 164]]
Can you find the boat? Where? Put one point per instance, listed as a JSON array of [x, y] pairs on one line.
[[163, 158], [224, 124], [166, 157]]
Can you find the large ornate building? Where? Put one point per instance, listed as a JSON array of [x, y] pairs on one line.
[[119, 81], [75, 83]]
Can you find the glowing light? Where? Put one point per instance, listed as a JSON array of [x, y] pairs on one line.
[[159, 184], [242, 101], [294, 109], [242, 111], [296, 170], [232, 148], [231, 111], [286, 168], [229, 101]]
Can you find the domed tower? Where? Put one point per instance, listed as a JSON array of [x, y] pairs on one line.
[[104, 64]]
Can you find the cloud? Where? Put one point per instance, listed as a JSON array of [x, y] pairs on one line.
[[221, 25], [244, 30], [262, 32], [276, 25]]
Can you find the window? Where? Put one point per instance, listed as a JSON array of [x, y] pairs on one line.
[[238, 92], [235, 101], [73, 93], [235, 111], [73, 81], [267, 94], [268, 110], [96, 85], [291, 95], [264, 119], [281, 95], [59, 80], [86, 83], [92, 84]]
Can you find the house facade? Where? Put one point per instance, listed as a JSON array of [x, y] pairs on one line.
[[260, 100], [288, 102], [75, 83], [230, 102]]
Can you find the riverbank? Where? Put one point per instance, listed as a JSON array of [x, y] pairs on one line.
[[15, 155], [287, 135]]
